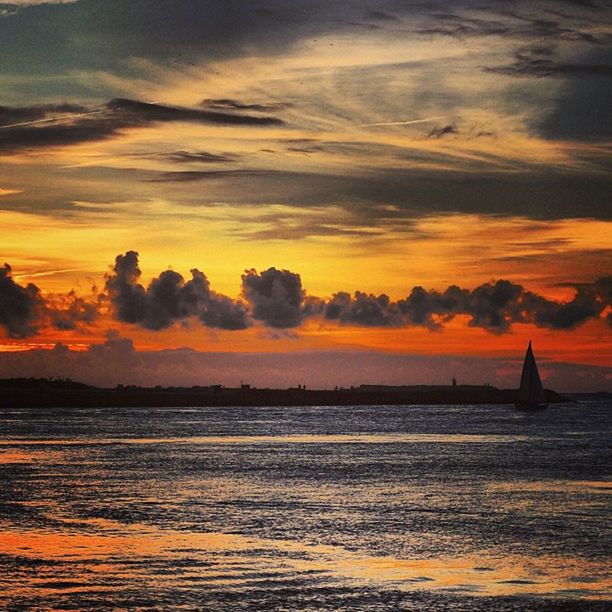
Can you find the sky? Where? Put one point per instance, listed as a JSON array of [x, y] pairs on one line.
[[286, 192]]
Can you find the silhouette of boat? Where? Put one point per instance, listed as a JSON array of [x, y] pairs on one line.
[[531, 394]]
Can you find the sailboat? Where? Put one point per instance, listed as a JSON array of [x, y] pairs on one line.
[[531, 394]]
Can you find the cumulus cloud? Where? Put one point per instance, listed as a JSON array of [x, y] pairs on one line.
[[277, 298], [69, 311], [169, 299], [363, 309], [20, 307], [23, 309], [491, 306]]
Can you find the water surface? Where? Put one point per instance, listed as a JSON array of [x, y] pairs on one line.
[[393, 507]]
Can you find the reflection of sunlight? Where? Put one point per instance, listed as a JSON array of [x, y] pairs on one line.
[[390, 438], [236, 561], [593, 486], [32, 455]]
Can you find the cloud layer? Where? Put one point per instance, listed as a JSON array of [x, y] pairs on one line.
[[65, 124], [116, 361], [277, 299], [491, 306]]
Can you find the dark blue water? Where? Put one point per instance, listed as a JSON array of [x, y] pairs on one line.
[[309, 508]]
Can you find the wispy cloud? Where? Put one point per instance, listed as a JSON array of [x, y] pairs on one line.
[[102, 122], [407, 122]]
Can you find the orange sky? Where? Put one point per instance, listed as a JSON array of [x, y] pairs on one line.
[[373, 154]]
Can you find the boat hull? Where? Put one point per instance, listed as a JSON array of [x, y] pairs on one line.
[[530, 406]]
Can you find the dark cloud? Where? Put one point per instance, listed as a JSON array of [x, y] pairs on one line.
[[363, 309], [58, 125], [381, 16], [10, 115], [277, 298], [528, 191], [20, 307], [227, 104], [61, 39], [582, 109], [23, 310], [519, 22], [491, 306], [440, 131], [169, 299], [104, 34], [537, 61], [70, 311], [586, 3], [533, 193], [188, 176], [135, 112], [204, 157], [420, 306], [450, 24], [8, 9], [552, 315]]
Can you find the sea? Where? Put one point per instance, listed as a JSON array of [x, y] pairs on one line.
[[306, 508]]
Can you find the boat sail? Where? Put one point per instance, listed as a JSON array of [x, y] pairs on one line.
[[531, 394]]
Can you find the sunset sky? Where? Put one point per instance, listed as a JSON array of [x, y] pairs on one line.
[[289, 191]]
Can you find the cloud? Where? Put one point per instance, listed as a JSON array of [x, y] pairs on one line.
[[277, 298], [188, 176], [581, 110], [363, 309], [67, 312], [116, 361], [20, 307], [381, 16], [491, 306], [105, 34], [518, 22], [439, 132], [135, 111], [19, 115], [59, 125], [23, 309], [203, 157], [537, 61], [169, 299], [449, 24], [228, 104]]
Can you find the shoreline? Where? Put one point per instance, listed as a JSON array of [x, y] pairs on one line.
[[56, 394]]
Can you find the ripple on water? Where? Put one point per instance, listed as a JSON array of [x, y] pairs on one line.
[[304, 508]]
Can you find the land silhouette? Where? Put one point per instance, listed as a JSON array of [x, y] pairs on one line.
[[42, 392]]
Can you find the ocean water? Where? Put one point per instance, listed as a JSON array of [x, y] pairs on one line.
[[306, 508]]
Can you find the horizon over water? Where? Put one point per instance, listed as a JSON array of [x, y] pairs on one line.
[[306, 508]]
